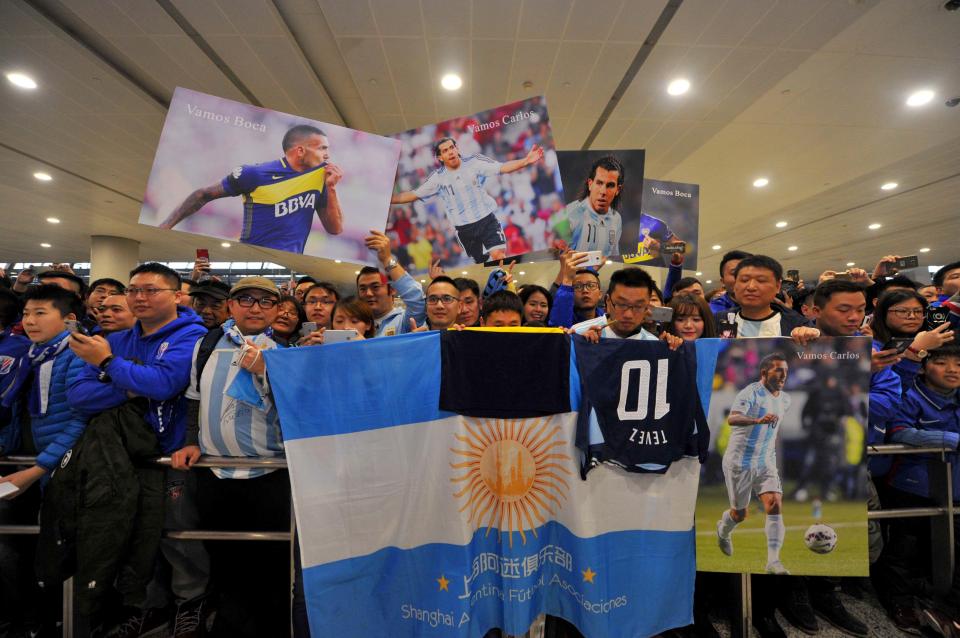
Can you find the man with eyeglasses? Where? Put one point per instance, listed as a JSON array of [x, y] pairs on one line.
[[318, 303], [443, 305], [152, 360], [627, 302], [378, 290], [231, 414], [209, 299], [578, 293]]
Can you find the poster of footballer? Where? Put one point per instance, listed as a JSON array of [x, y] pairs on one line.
[[475, 189], [669, 222], [604, 191], [240, 172], [784, 488]]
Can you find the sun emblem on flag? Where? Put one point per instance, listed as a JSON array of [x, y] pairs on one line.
[[513, 472]]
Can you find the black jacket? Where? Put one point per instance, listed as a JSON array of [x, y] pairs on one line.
[[102, 511], [789, 319]]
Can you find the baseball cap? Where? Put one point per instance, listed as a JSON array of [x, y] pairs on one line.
[[258, 283], [215, 289]]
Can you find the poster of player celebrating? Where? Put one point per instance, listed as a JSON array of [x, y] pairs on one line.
[[784, 489], [240, 172], [476, 189]]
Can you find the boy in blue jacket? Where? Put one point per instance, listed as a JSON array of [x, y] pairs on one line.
[[152, 360], [48, 426], [928, 416]]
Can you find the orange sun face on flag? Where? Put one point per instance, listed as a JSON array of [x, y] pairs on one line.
[[513, 473]]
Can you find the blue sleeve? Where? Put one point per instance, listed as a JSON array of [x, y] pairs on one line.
[[561, 314], [411, 292], [88, 395], [903, 428], [907, 371], [884, 396], [242, 180], [673, 276], [50, 456], [158, 380]]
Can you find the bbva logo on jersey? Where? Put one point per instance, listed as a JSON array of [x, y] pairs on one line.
[[295, 203]]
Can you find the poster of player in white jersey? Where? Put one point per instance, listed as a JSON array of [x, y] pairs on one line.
[[245, 173], [604, 192], [476, 189], [784, 489]]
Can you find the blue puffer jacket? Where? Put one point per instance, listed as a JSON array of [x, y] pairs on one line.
[[56, 431], [925, 419], [12, 347], [885, 391]]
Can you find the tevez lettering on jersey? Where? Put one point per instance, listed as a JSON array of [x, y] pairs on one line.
[[637, 410]]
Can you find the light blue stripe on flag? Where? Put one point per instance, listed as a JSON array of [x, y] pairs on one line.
[[349, 387]]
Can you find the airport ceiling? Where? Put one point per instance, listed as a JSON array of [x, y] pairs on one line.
[[809, 94]]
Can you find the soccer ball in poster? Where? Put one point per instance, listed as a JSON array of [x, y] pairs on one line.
[[820, 538]]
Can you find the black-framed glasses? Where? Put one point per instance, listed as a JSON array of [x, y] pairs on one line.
[[446, 300], [624, 307], [589, 285], [247, 301], [149, 292], [907, 312], [318, 302]]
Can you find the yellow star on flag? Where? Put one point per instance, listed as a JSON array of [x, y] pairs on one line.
[[443, 583], [588, 575]]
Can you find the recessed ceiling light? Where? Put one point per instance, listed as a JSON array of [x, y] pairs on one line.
[[924, 250], [22, 80], [43, 177], [45, 245], [889, 186], [919, 98], [609, 261], [53, 220], [709, 281], [423, 281], [678, 86], [225, 244], [522, 273], [716, 247], [356, 272], [874, 226], [699, 273], [851, 263], [760, 182], [463, 272], [781, 224], [336, 261], [792, 248], [451, 82]]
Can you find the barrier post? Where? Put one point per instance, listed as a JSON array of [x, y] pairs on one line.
[[940, 473], [740, 624]]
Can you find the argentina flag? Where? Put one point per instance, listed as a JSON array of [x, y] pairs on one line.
[[418, 521]]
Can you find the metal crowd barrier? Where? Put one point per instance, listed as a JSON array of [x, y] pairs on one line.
[[200, 535], [941, 524]]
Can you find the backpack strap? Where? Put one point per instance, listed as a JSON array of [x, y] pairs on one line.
[[207, 345]]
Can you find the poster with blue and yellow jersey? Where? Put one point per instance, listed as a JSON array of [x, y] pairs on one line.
[[245, 173]]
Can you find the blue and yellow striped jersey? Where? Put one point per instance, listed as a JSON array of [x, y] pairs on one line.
[[278, 202]]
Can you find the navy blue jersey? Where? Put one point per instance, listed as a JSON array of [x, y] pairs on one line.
[[278, 202], [640, 409]]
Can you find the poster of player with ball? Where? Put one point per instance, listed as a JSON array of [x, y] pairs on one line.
[[784, 489]]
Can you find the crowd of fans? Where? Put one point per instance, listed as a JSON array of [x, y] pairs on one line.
[[117, 372]]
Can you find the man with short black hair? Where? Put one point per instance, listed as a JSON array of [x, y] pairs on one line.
[[209, 300], [114, 315], [578, 294], [728, 264], [687, 286], [470, 302], [757, 280], [99, 290], [378, 290], [151, 360], [303, 285], [502, 309], [66, 280], [443, 304]]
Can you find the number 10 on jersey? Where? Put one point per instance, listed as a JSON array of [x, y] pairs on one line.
[[637, 374]]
